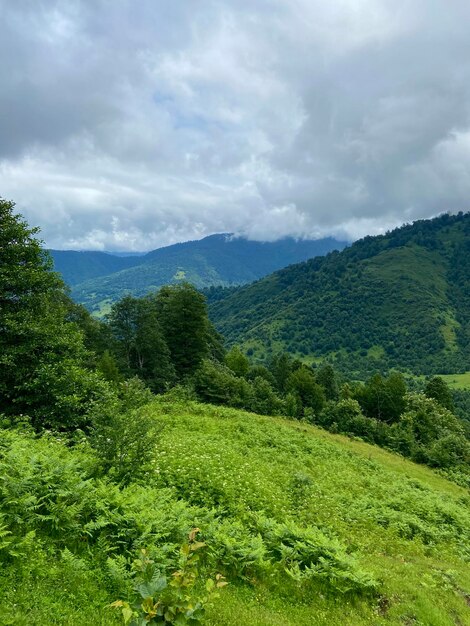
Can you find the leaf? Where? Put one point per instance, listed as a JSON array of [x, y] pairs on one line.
[[127, 614], [148, 590]]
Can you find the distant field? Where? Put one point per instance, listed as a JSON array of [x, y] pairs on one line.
[[457, 381]]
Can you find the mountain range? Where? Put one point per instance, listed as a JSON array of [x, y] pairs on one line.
[[397, 300], [98, 279]]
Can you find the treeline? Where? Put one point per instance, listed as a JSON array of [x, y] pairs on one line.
[[61, 369]]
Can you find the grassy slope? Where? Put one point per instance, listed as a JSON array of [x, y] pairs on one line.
[[403, 521], [458, 381]]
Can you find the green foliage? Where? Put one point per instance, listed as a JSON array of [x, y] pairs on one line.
[[345, 416], [337, 517], [124, 434], [422, 425], [140, 344], [176, 601], [108, 368], [307, 553], [42, 355], [398, 300], [301, 383], [219, 385], [326, 377], [437, 389], [236, 361], [383, 398], [187, 330]]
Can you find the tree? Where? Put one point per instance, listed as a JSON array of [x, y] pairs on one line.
[[423, 424], [140, 344], [182, 312], [383, 398], [302, 383], [39, 346], [281, 367], [326, 378], [438, 389], [237, 361]]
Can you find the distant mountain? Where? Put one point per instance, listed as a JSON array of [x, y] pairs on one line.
[[77, 267], [98, 279], [397, 300]]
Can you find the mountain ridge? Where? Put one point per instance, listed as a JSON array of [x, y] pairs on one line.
[[394, 300], [218, 259]]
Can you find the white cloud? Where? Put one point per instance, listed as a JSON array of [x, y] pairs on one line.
[[130, 126]]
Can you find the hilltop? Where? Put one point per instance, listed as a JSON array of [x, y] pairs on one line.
[[99, 279], [397, 300]]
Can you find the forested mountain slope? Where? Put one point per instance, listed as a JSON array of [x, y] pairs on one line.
[[76, 266], [214, 260], [396, 300]]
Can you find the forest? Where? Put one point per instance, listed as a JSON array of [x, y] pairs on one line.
[[398, 300], [150, 474]]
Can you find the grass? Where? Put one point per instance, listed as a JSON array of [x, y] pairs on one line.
[[457, 381], [239, 477], [388, 511]]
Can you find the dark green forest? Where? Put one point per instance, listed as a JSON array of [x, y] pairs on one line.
[[149, 474], [400, 300]]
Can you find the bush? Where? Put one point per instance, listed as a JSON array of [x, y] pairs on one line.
[[124, 434]]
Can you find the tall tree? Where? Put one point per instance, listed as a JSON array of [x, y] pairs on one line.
[[326, 378], [140, 343], [183, 314], [41, 352], [438, 389]]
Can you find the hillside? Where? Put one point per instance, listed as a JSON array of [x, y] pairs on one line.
[[396, 300], [368, 537], [214, 260], [77, 267]]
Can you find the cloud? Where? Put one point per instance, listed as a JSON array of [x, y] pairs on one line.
[[130, 126]]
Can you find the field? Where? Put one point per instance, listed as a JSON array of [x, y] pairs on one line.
[[270, 496], [457, 381]]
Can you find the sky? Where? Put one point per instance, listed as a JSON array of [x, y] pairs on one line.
[[130, 125]]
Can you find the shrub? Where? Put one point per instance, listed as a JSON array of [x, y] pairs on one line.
[[124, 434], [178, 600]]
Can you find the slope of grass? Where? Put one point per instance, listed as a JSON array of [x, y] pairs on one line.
[[457, 381], [269, 495], [404, 523]]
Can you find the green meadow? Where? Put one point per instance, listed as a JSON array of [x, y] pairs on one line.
[[307, 527]]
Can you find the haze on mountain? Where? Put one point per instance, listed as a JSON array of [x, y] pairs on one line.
[[98, 279], [130, 126]]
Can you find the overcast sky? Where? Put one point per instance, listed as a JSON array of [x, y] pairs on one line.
[[127, 125]]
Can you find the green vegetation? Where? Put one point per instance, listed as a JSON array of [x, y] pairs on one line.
[[98, 279], [457, 381], [119, 505], [306, 526], [398, 300]]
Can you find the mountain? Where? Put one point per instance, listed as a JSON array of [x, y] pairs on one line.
[[395, 300], [214, 260], [77, 267]]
